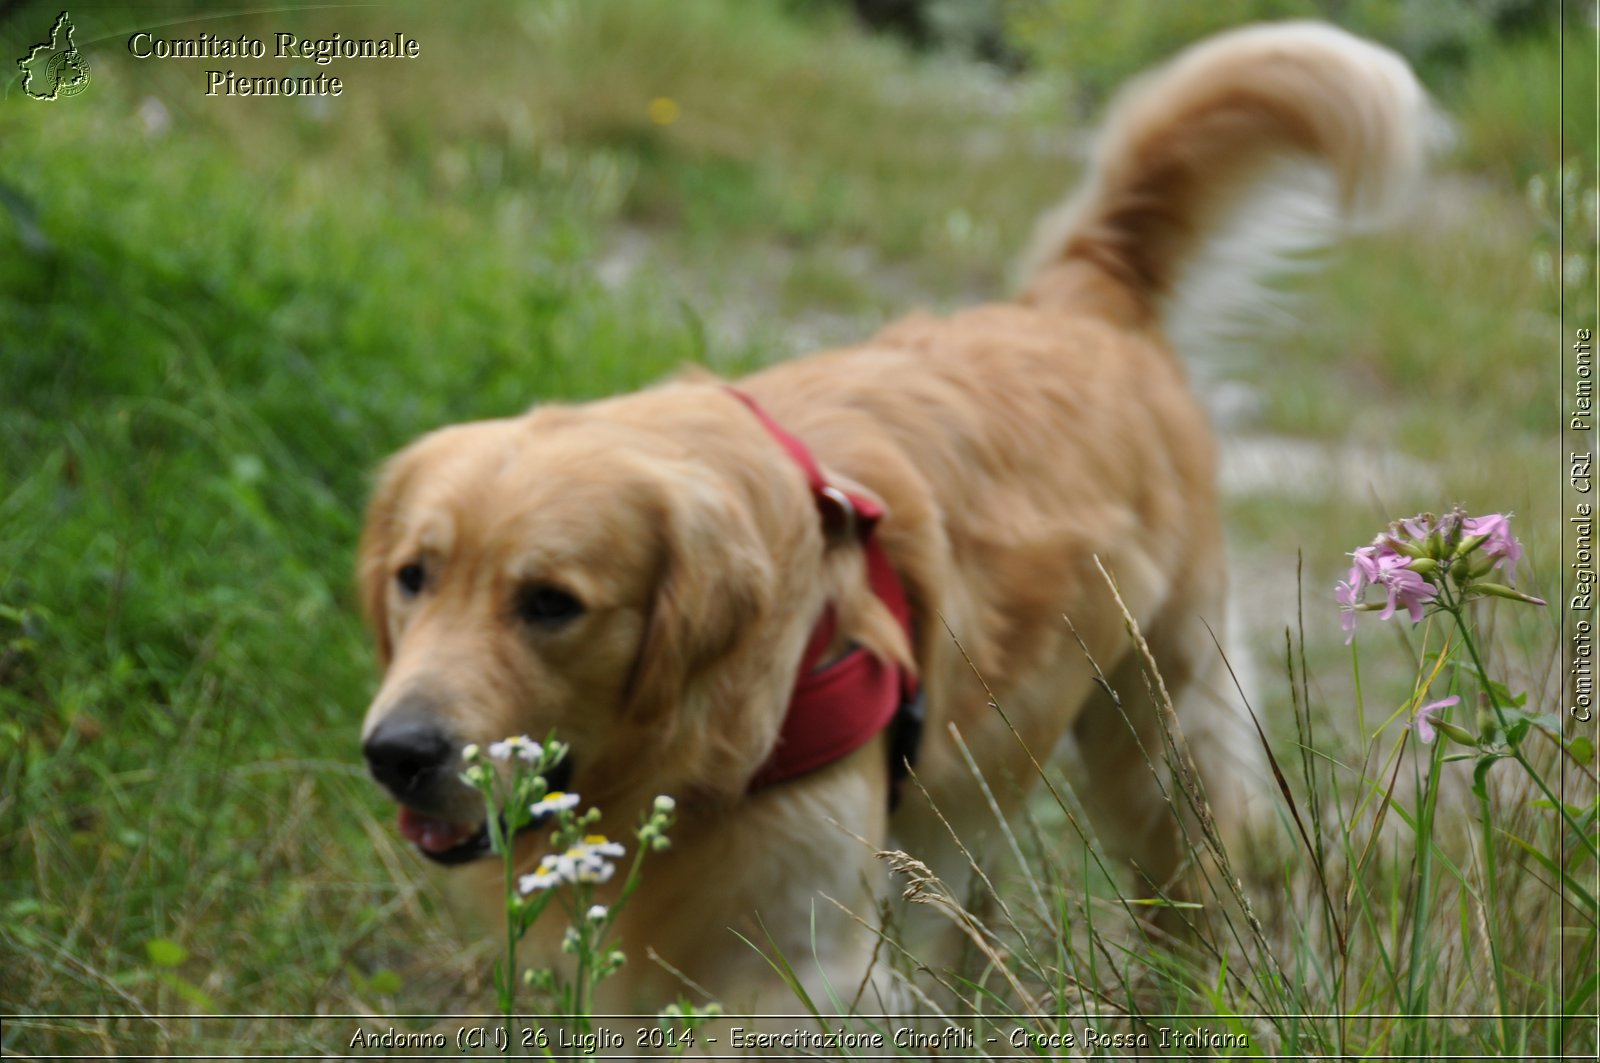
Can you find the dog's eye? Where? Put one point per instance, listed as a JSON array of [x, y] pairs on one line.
[[411, 577], [547, 605]]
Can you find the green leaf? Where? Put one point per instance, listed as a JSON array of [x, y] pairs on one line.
[[189, 991], [1580, 996], [1584, 897], [385, 982], [1572, 810], [1480, 785], [165, 953], [1518, 722], [1505, 698], [1581, 748]]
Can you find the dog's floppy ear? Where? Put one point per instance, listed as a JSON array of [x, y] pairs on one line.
[[373, 560], [715, 581]]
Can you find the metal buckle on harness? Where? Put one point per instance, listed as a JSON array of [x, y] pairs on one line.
[[840, 516]]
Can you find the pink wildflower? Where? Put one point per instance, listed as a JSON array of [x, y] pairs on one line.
[[1500, 544], [1422, 722], [1418, 527], [1381, 566], [1369, 559], [1348, 595], [1406, 589], [1412, 560]]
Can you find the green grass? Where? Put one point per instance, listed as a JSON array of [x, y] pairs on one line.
[[212, 329]]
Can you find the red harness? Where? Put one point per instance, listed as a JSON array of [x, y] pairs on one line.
[[840, 708]]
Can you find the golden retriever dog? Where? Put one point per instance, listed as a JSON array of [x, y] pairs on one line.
[[646, 576]]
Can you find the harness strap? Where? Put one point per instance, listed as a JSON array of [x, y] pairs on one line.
[[837, 709]]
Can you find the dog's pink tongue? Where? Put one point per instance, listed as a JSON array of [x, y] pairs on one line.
[[434, 835]]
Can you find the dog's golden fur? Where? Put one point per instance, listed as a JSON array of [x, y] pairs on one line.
[[1012, 445]]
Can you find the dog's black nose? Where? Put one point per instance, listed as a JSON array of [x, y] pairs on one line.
[[405, 752]]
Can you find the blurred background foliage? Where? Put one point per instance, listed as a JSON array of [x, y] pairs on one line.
[[218, 315]]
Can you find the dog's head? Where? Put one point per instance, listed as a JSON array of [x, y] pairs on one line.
[[622, 574]]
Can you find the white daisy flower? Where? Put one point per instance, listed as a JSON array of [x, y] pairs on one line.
[[594, 872], [520, 746], [665, 805], [585, 863], [598, 845], [553, 802], [588, 859], [552, 871], [596, 913]]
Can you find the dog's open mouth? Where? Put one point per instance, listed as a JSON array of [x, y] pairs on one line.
[[451, 842]]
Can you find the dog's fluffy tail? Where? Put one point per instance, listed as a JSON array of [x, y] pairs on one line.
[[1242, 153]]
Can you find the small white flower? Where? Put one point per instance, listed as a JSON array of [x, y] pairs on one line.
[[596, 913], [595, 872], [588, 859], [585, 863], [470, 751], [598, 845], [665, 805], [548, 876], [520, 746], [553, 802]]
